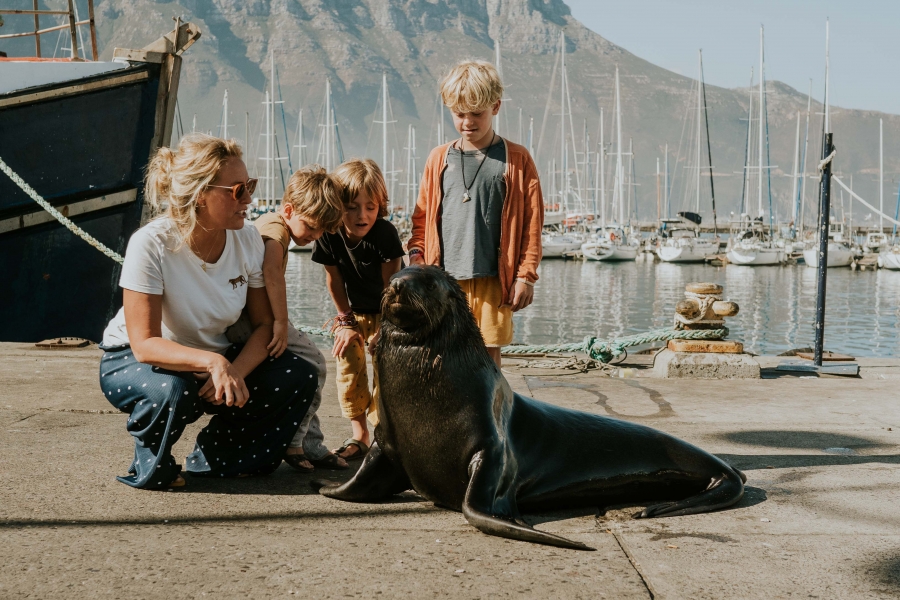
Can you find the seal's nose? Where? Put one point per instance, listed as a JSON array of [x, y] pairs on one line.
[[397, 283]]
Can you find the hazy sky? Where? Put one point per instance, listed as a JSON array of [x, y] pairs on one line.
[[865, 42]]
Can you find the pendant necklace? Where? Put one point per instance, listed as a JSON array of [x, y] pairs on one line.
[[462, 163]]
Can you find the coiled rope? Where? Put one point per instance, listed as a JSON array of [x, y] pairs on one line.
[[58, 215], [603, 351]]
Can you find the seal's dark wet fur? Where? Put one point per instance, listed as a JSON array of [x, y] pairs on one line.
[[452, 429]]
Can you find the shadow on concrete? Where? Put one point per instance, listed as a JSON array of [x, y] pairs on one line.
[[885, 573], [749, 462], [358, 511], [813, 440]]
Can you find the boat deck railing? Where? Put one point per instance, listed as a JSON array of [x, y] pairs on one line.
[[72, 25]]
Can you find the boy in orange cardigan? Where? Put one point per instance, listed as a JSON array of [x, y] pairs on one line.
[[480, 210]]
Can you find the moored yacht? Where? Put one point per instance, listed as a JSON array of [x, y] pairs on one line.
[[840, 254], [750, 244], [682, 242]]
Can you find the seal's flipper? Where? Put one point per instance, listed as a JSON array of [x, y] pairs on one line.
[[378, 478], [478, 508], [721, 493]]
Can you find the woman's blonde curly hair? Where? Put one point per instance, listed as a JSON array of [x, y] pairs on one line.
[[176, 178]]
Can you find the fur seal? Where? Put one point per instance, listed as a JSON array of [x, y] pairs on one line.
[[451, 428]]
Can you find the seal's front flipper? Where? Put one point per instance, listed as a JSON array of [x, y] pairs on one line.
[[378, 478], [720, 493], [480, 510]]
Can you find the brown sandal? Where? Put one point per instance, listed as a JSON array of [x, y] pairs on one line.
[[295, 461], [361, 449]]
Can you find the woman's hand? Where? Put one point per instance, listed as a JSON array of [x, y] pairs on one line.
[[279, 339], [224, 385], [343, 338]]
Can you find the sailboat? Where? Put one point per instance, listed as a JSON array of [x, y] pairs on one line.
[[877, 241], [683, 243], [839, 252], [750, 242], [613, 242]]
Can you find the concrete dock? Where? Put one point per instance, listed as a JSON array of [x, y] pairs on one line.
[[819, 518]]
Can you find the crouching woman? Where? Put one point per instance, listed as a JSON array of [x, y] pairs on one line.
[[187, 276]]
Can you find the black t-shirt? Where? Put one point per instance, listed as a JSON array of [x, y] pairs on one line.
[[360, 264]]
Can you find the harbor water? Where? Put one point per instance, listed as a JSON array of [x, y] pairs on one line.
[[574, 299]]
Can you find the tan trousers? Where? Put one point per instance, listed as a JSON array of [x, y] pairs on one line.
[[352, 379]]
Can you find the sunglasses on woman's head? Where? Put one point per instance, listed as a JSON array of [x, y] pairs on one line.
[[238, 189]]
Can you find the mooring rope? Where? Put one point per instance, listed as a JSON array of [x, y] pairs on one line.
[[58, 215], [596, 349]]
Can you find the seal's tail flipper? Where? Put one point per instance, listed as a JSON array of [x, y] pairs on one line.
[[377, 479], [482, 487], [721, 493]]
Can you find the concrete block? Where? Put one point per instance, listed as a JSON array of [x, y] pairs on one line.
[[703, 365]]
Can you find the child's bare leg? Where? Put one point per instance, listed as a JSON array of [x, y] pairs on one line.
[[494, 351]]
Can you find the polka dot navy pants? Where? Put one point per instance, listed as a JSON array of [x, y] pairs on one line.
[[250, 440]]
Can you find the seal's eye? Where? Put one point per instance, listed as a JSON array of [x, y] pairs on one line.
[[430, 286]]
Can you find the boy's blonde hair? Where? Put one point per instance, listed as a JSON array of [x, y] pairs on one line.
[[176, 178], [363, 175], [316, 196], [471, 86]]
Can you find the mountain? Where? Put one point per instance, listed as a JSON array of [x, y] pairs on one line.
[[414, 41]]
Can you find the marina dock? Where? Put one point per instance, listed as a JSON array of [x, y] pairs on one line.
[[822, 457]]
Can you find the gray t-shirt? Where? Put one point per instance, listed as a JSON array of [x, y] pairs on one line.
[[470, 231]]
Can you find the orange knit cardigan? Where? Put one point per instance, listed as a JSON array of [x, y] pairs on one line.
[[522, 216]]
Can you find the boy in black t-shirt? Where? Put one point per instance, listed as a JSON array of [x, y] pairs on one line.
[[359, 261]]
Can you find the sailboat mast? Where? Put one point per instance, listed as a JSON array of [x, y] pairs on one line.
[[795, 175], [745, 191], [224, 133], [268, 157], [602, 154], [328, 142], [271, 138], [805, 149], [564, 181], [621, 204], [657, 192], [762, 79], [666, 181], [880, 176], [531, 136], [699, 116], [712, 187], [384, 124]]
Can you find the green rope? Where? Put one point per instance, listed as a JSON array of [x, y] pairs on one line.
[[596, 349]]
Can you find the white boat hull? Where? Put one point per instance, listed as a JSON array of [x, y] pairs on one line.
[[685, 253], [838, 256], [755, 256], [889, 260], [558, 246], [608, 252]]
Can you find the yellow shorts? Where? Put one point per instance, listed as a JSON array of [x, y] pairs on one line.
[[485, 298]]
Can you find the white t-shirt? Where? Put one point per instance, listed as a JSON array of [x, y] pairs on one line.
[[197, 305]]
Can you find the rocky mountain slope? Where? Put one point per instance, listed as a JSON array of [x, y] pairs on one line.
[[414, 41]]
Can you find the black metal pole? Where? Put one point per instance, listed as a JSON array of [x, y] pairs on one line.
[[824, 219]]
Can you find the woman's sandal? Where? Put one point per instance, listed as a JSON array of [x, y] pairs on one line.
[[329, 461], [361, 449], [296, 460], [177, 483]]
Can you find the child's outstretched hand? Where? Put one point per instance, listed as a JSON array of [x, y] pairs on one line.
[[342, 340], [279, 339], [374, 340]]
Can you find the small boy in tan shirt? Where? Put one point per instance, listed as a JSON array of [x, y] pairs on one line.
[[312, 205]]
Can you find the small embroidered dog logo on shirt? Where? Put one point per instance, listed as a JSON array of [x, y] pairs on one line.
[[237, 281]]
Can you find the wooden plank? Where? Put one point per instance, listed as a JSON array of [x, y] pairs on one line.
[[826, 356], [76, 89], [715, 346], [847, 369], [68, 210]]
